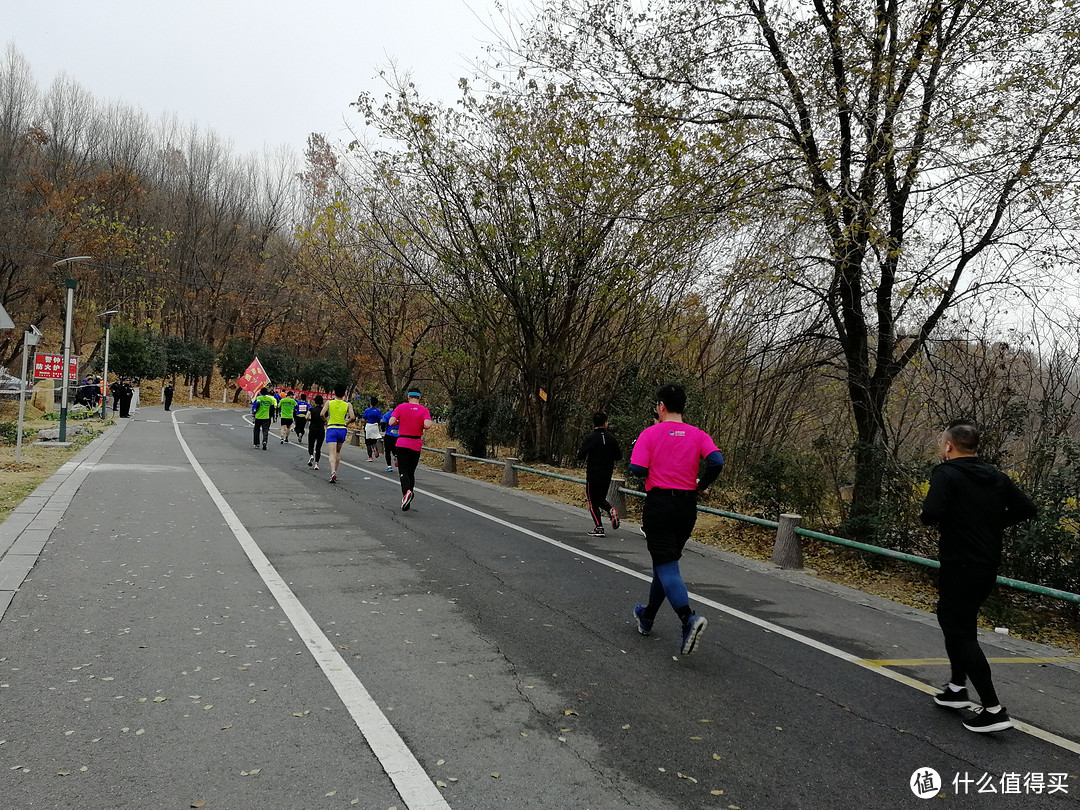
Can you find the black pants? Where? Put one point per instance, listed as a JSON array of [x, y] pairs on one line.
[[299, 423], [263, 426], [168, 403], [961, 591], [389, 443], [596, 490], [314, 442], [407, 461], [668, 519], [372, 444]]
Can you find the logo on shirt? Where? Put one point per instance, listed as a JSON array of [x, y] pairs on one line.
[[674, 432]]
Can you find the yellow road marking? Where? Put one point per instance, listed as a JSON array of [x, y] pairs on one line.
[[936, 662]]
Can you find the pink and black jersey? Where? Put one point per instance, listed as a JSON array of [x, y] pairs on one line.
[[411, 417], [672, 452]]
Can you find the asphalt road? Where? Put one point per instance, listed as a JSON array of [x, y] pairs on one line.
[[213, 623]]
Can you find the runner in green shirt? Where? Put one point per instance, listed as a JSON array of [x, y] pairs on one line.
[[264, 405], [287, 406]]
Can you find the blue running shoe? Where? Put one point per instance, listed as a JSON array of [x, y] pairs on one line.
[[691, 633], [644, 626]]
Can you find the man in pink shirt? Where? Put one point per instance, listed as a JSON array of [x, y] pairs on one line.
[[668, 456], [412, 420]]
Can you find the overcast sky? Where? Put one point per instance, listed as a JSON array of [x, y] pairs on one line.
[[260, 73]]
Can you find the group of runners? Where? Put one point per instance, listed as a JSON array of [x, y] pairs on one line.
[[401, 430], [970, 501]]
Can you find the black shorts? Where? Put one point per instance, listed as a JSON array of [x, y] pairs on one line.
[[286, 421], [668, 519]]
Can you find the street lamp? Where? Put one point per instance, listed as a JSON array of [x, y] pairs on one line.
[[70, 284], [108, 316], [30, 338]]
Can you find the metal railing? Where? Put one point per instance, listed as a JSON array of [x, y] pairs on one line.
[[510, 470]]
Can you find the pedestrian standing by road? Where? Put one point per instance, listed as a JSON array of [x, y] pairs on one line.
[[127, 393], [167, 395], [411, 419], [300, 417], [287, 406], [971, 502], [372, 432], [316, 433], [338, 414], [390, 434], [599, 451], [264, 405], [114, 389], [668, 456]]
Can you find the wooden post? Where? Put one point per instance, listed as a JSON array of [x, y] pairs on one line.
[[354, 438], [509, 476], [449, 463], [616, 498], [787, 550]]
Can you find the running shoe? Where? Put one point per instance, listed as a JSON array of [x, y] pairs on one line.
[[333, 478], [369, 459], [316, 465], [389, 469], [954, 699], [282, 442], [597, 531], [256, 445], [691, 633], [264, 445], [406, 501], [311, 460], [644, 626], [983, 721], [614, 518], [376, 454]]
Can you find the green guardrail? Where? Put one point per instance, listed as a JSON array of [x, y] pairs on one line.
[[1020, 585]]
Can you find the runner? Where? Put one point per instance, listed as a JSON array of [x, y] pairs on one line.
[[668, 455], [263, 404], [372, 434], [316, 433], [338, 414], [287, 406], [300, 417], [412, 419], [600, 451], [390, 434]]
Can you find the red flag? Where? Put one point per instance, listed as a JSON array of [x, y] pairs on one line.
[[254, 378]]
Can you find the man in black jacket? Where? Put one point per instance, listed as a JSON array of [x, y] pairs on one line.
[[971, 502], [599, 451]]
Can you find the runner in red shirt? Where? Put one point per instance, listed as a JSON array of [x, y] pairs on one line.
[[412, 420], [668, 455]]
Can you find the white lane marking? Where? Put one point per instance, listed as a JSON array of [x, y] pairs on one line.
[[828, 649], [412, 782]]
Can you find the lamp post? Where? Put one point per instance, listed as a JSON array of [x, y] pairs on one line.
[[30, 338], [108, 316], [71, 284]]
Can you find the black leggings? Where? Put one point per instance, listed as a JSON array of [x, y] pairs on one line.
[[261, 426], [314, 442], [407, 461], [961, 592], [389, 442]]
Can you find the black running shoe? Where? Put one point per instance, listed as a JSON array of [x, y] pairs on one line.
[[983, 721], [597, 531], [951, 699]]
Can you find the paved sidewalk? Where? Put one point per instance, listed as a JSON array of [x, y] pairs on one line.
[[30, 525]]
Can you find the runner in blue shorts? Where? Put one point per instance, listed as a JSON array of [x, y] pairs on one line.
[[338, 413]]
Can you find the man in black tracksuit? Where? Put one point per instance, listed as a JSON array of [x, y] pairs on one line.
[[600, 451], [971, 502]]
